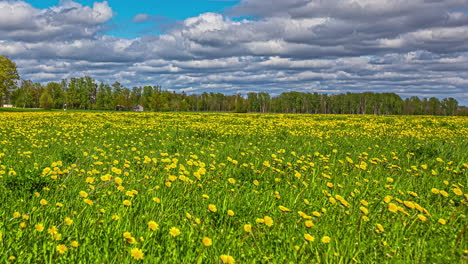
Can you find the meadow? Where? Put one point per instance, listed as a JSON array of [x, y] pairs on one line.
[[98, 187]]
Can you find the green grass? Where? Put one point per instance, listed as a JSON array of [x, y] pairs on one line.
[[253, 163]]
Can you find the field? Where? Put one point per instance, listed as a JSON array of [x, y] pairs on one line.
[[217, 188]]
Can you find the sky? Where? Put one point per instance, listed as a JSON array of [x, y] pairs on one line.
[[412, 48]]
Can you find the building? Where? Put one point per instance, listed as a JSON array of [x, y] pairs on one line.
[[138, 108]]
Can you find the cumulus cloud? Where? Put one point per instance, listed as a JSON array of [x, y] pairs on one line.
[[415, 47]]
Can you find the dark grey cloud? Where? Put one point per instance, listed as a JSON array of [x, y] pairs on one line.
[[414, 47]]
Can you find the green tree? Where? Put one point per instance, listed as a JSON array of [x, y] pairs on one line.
[[46, 101], [8, 77]]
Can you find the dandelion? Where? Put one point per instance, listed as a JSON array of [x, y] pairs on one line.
[[309, 224], [284, 209], [153, 225], [68, 221], [39, 227], [442, 221], [83, 194], [380, 228], [457, 191], [43, 202], [364, 210], [62, 249], [268, 221], [127, 203], [422, 218], [227, 259], [392, 207], [326, 239], [230, 212], [248, 228], [212, 208], [308, 237], [137, 254], [207, 241], [174, 231], [74, 244]]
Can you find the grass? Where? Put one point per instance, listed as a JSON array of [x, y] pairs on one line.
[[322, 175]]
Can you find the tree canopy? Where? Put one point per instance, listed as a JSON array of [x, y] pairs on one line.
[[8, 77]]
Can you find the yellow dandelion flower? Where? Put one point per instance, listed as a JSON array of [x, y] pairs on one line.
[[207, 241], [227, 259], [326, 239], [74, 244], [230, 212], [248, 228], [39, 227], [457, 191], [392, 207], [316, 214], [212, 208], [422, 218], [388, 199], [43, 202], [68, 221], [284, 209], [308, 237], [153, 225], [442, 221], [127, 203], [364, 210], [435, 191], [309, 224], [174, 231], [268, 221], [137, 254], [62, 249], [16, 214], [83, 194], [88, 201], [23, 224], [157, 200], [444, 193], [380, 228]]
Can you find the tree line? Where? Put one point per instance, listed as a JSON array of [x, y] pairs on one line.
[[85, 93]]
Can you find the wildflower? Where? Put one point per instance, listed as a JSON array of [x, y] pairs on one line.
[[227, 259], [157, 200], [284, 209], [16, 214], [392, 207], [268, 221], [212, 208], [380, 228], [88, 201], [62, 249], [422, 218], [309, 238], [248, 228], [457, 191], [74, 244], [309, 224], [207, 241], [364, 210], [442, 221], [137, 254], [83, 194], [68, 221], [39, 227], [153, 225], [326, 239], [230, 212], [43, 202], [174, 231], [127, 203]]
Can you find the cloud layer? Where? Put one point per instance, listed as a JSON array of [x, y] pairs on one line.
[[415, 47]]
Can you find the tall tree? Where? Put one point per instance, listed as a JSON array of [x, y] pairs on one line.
[[8, 77]]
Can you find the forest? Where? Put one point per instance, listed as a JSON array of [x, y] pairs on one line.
[[86, 94]]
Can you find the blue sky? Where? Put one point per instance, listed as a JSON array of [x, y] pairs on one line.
[[412, 48], [167, 11]]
